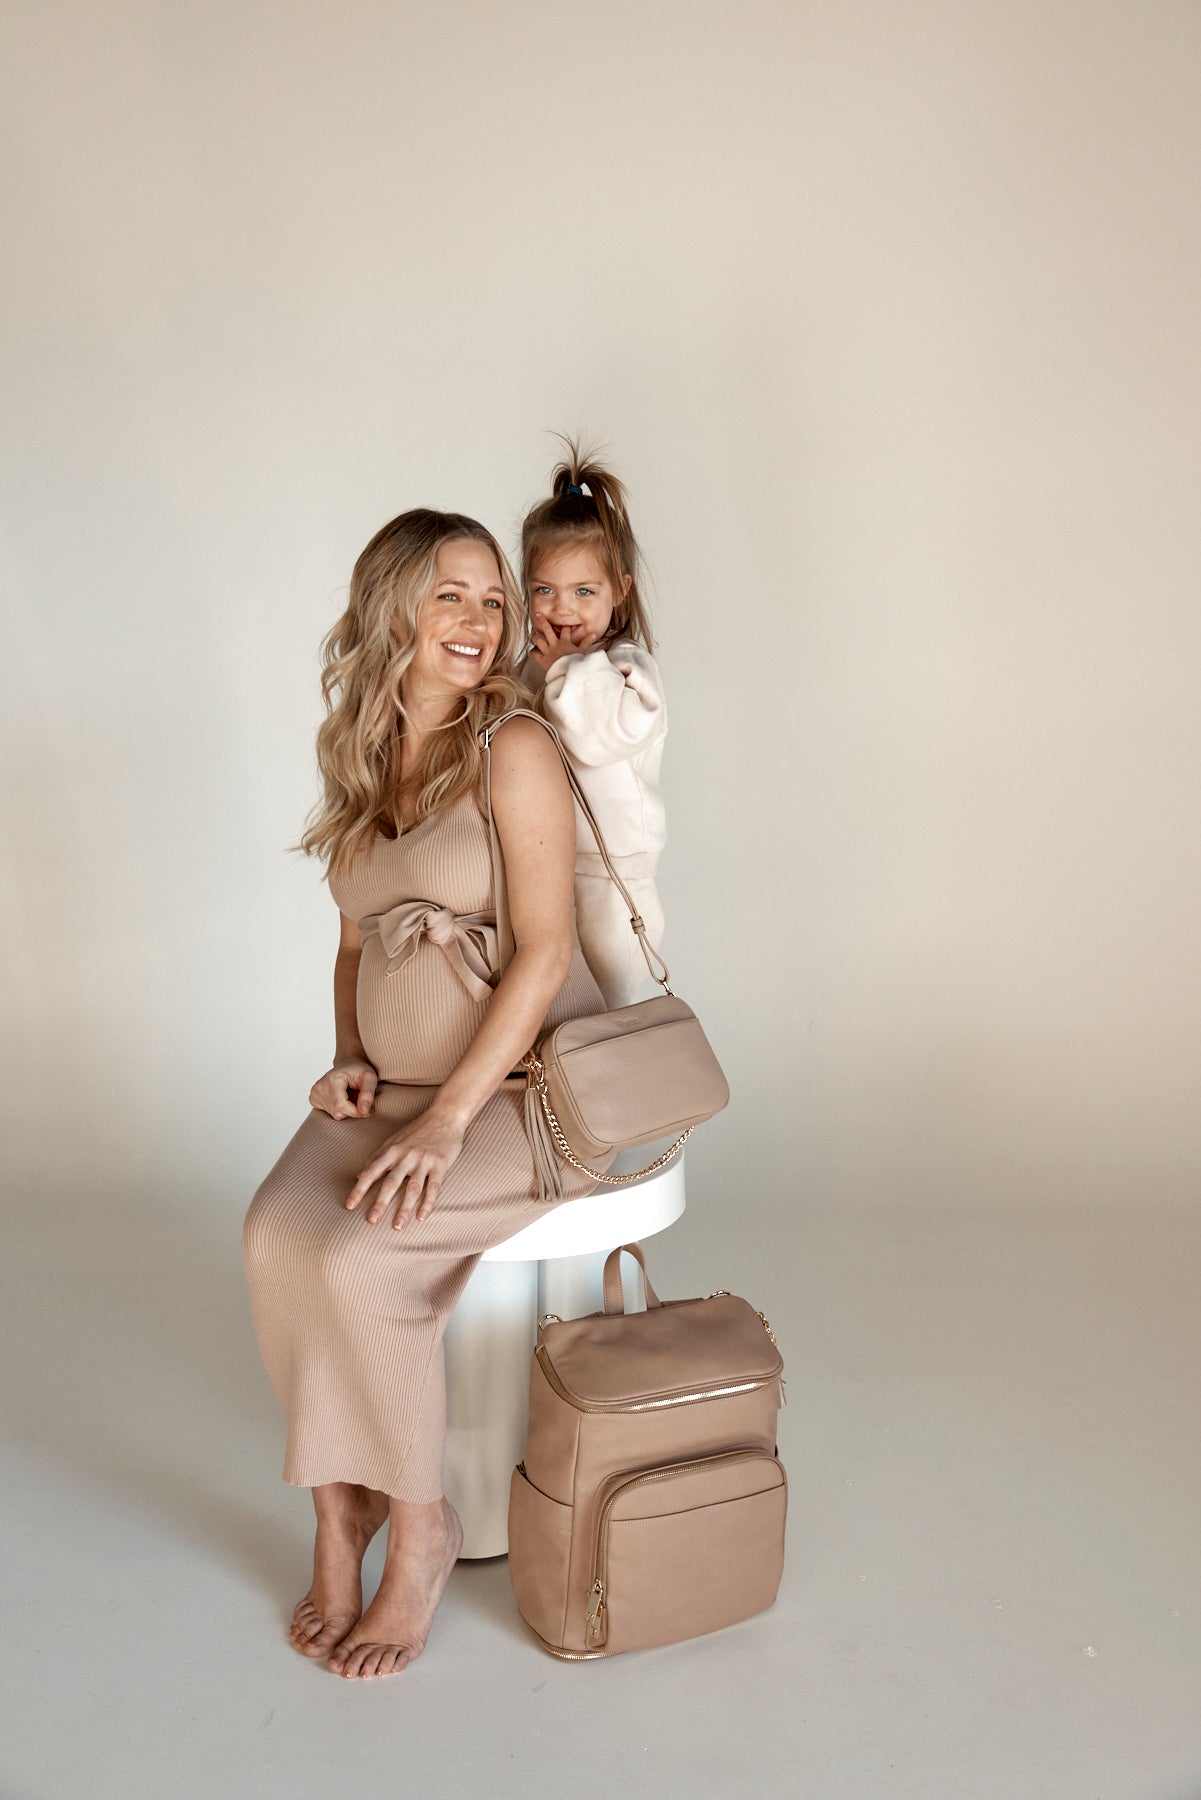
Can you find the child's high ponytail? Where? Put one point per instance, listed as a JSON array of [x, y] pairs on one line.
[[588, 501]]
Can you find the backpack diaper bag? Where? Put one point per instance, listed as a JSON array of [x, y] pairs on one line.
[[651, 1502]]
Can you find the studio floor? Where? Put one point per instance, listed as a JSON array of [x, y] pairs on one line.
[[994, 1574]]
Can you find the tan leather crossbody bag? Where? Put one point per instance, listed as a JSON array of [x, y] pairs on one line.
[[650, 1504], [615, 1079]]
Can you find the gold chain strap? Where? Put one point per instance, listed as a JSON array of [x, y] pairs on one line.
[[536, 1076]]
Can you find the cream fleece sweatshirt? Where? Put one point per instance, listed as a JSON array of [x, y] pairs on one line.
[[609, 709]]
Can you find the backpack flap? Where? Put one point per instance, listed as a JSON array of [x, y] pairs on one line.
[[675, 1351]]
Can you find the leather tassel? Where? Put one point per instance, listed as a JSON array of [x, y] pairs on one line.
[[546, 1161]]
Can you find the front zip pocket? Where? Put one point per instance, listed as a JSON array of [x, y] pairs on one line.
[[685, 1548]]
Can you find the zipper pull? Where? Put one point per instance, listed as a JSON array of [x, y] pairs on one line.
[[596, 1606], [783, 1392]]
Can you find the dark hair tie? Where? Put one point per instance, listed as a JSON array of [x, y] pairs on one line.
[[575, 490]]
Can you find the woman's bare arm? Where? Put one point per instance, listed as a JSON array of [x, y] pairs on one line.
[[347, 1090], [347, 1042]]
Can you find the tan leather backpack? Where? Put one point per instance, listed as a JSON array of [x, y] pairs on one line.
[[650, 1505]]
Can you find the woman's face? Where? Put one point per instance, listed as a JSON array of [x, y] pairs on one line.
[[571, 592], [461, 620]]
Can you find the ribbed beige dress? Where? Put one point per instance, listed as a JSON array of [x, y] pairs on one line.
[[350, 1316]]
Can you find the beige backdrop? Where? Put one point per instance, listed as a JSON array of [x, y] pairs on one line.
[[888, 313]]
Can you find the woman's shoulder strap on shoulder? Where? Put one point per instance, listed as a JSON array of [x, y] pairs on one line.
[[515, 712]]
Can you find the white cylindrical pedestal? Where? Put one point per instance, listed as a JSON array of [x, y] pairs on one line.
[[487, 1346]]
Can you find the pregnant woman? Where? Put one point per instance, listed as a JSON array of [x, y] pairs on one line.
[[415, 1157]]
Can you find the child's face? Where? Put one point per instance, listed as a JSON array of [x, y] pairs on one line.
[[571, 600]]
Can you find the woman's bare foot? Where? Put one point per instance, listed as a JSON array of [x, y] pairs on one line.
[[348, 1517], [423, 1547]]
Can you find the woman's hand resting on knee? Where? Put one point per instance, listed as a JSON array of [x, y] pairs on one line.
[[332, 1093], [411, 1164]]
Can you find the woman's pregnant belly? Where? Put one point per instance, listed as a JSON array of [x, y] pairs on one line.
[[416, 1022]]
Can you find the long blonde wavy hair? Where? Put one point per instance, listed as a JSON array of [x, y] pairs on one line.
[[364, 658]]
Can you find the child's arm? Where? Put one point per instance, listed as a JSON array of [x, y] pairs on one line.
[[607, 706]]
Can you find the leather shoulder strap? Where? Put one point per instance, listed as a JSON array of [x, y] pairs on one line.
[[504, 928]]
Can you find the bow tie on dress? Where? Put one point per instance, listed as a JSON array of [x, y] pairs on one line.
[[466, 940]]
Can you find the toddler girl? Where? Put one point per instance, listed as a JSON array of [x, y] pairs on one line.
[[590, 654]]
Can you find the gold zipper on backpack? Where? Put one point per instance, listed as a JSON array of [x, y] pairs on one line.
[[596, 1606], [686, 1398], [595, 1626]]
